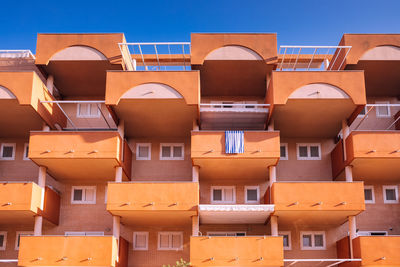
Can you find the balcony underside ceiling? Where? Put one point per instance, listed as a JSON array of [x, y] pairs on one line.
[[155, 217], [64, 169], [80, 78], [229, 120], [381, 77], [17, 120], [156, 117], [312, 117], [378, 169], [306, 217], [21, 217]]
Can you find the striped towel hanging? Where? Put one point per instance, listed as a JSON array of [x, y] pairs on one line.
[[234, 142]]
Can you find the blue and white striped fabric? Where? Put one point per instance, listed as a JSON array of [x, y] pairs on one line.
[[234, 142]]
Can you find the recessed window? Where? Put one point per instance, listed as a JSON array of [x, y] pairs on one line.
[[223, 194], [287, 240], [83, 195], [308, 151], [172, 151], [369, 194], [226, 233], [284, 151], [382, 111], [26, 151], [252, 194], [312, 240], [143, 151], [7, 151], [390, 194], [3, 240], [84, 233], [88, 110], [363, 112], [18, 235], [140, 240], [170, 241]]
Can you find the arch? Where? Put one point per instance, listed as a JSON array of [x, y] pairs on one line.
[[233, 52], [78, 52], [6, 94], [151, 91], [318, 91], [383, 52]]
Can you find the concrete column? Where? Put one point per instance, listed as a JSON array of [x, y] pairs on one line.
[[353, 232], [272, 175], [38, 226], [45, 128], [271, 126], [345, 134], [274, 225], [195, 125], [50, 83], [348, 170], [118, 174], [195, 173], [116, 227], [42, 183], [121, 129], [195, 225]]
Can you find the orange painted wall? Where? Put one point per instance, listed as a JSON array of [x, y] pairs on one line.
[[371, 249], [22, 197], [51, 206]]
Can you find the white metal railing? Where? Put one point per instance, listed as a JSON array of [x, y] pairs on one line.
[[102, 119], [8, 260], [234, 107], [380, 117], [9, 54], [156, 56], [292, 262], [295, 57]]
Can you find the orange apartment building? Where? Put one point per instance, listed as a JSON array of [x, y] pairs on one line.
[[225, 151]]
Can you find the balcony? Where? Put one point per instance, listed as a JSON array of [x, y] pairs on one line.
[[21, 93], [139, 203], [317, 202], [65, 154], [100, 251], [261, 149], [373, 154], [20, 202], [236, 251], [319, 99], [154, 103]]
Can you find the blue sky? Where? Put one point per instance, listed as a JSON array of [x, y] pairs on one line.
[[302, 22]]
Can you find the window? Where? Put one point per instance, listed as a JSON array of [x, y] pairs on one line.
[[143, 151], [308, 151], [3, 240], [382, 111], [252, 194], [223, 194], [84, 233], [19, 234], [171, 152], [140, 240], [7, 152], [287, 240], [363, 112], [170, 241], [226, 233], [88, 110], [312, 240], [83, 195], [390, 194], [26, 151], [369, 194], [284, 151]]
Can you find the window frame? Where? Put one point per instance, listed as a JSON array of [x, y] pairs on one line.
[[365, 112], [13, 145], [135, 234], [258, 194], [148, 145], [170, 234], [378, 115], [308, 145], [371, 187], [171, 145], [286, 151], [74, 202], [26, 149], [78, 115], [17, 236], [396, 189], [289, 234], [223, 201], [313, 234], [4, 246]]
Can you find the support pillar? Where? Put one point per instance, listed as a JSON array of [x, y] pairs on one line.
[[195, 174], [274, 225], [195, 225], [118, 174], [42, 183], [348, 170], [271, 126], [195, 125], [37, 230], [121, 129], [50, 83], [116, 227], [272, 175], [352, 232]]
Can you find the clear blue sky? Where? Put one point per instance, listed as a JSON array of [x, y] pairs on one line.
[[302, 22]]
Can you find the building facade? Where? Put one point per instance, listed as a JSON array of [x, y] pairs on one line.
[[225, 151]]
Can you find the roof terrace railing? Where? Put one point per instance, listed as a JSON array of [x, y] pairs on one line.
[[306, 58], [11, 54], [167, 56]]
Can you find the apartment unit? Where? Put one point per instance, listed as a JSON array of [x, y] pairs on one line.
[[225, 151]]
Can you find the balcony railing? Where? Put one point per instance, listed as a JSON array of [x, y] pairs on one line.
[[380, 117], [11, 54]]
